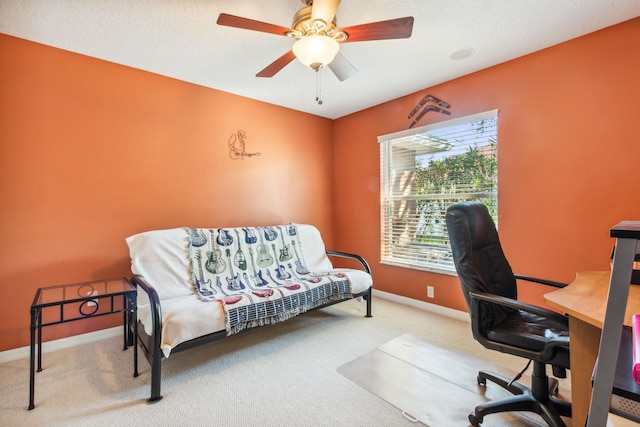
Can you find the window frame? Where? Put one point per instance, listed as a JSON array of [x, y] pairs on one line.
[[413, 254]]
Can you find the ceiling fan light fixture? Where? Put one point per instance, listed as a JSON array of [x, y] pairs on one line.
[[316, 51]]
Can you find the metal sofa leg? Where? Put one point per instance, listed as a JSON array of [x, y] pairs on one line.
[[368, 298], [156, 375]]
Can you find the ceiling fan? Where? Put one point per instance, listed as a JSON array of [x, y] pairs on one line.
[[318, 38]]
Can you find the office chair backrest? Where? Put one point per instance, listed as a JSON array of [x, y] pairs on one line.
[[479, 259]]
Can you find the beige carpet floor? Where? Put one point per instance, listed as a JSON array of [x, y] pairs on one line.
[[290, 374]]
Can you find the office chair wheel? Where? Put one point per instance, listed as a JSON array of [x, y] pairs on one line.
[[481, 381], [474, 420]]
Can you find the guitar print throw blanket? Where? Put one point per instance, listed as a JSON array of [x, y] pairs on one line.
[[259, 275]]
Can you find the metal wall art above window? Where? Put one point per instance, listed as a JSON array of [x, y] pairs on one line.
[[423, 171]]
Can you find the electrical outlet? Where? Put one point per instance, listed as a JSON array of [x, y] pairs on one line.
[[430, 293]]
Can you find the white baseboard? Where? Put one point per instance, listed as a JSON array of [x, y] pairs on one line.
[[422, 305], [49, 346]]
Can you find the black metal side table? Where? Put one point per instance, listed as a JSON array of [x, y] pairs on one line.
[[65, 303]]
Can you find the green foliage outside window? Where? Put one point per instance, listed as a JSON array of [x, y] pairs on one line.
[[471, 175]]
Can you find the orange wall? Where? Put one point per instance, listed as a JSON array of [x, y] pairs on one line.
[[92, 152], [569, 150]]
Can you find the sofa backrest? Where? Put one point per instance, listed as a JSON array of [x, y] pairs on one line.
[[162, 257]]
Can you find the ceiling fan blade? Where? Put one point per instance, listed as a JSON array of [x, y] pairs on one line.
[[249, 24], [324, 10], [277, 65], [342, 68], [399, 28]]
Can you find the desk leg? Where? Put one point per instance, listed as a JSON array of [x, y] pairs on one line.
[[585, 341]]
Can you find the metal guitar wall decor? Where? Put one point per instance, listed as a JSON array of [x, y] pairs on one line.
[[237, 146], [429, 98]]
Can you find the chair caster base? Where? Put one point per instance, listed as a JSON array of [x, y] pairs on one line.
[[475, 422]]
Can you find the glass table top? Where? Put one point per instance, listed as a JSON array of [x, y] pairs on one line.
[[81, 291]]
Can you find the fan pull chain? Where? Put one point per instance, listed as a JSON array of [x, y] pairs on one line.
[[318, 86]]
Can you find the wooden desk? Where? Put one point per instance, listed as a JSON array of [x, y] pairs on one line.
[[585, 301]]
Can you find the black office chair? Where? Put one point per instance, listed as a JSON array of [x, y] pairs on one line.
[[500, 322]]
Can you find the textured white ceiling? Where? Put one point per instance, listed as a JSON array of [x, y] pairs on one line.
[[180, 39]]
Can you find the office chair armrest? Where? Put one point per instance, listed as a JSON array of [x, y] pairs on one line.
[[541, 281], [519, 305]]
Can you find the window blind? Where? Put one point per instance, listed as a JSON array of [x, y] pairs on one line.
[[423, 171]]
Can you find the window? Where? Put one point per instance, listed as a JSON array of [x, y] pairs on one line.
[[423, 171]]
